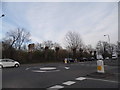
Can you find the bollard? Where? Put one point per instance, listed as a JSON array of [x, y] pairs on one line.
[[65, 60], [100, 66]]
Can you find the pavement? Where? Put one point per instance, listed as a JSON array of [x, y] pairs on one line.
[[60, 76]]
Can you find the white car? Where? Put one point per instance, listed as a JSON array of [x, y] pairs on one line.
[[8, 63]]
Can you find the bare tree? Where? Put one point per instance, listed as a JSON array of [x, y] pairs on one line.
[[39, 46], [18, 37], [90, 50], [48, 44], [105, 49], [73, 41], [100, 47], [57, 48]]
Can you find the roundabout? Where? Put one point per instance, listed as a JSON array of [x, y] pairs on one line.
[[46, 69]]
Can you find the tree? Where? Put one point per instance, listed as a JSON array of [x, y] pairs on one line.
[[90, 51], [39, 46], [48, 44], [73, 41], [57, 47], [18, 37], [105, 49]]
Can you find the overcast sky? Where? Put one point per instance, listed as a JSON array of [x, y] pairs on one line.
[[52, 20]]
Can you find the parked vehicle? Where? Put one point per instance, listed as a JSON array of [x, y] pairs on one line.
[[114, 57], [92, 58], [82, 59], [107, 58], [8, 63], [69, 60]]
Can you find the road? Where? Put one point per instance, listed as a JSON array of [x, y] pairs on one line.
[[58, 75]]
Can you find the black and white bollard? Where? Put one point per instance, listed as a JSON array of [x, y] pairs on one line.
[[100, 66]]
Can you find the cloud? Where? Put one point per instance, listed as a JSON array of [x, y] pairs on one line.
[[51, 21]]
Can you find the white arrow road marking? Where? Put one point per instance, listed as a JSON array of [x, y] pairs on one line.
[[67, 67], [56, 87], [69, 83], [27, 68], [80, 78]]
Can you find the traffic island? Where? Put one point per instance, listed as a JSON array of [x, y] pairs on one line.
[[100, 75]]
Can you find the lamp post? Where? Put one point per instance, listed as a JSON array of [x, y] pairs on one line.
[[109, 43], [108, 37], [2, 15]]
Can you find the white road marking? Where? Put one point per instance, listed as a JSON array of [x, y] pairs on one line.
[[80, 78], [56, 87], [103, 80], [69, 83], [27, 68], [38, 71], [48, 68], [45, 71], [67, 67]]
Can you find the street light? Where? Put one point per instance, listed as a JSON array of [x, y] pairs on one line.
[[108, 37], [2, 15], [109, 42]]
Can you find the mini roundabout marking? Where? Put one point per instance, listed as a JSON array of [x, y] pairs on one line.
[[44, 69]]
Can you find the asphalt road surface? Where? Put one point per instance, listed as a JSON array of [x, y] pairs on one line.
[[59, 76]]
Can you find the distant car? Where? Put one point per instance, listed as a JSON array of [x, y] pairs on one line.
[[84, 59], [107, 58], [92, 58], [114, 57], [8, 63], [69, 60]]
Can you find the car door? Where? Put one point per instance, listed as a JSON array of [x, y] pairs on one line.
[[9, 63]]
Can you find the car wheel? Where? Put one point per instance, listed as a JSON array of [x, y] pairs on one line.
[[16, 65]]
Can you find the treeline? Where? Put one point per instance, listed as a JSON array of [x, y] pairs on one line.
[[38, 56], [15, 46]]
